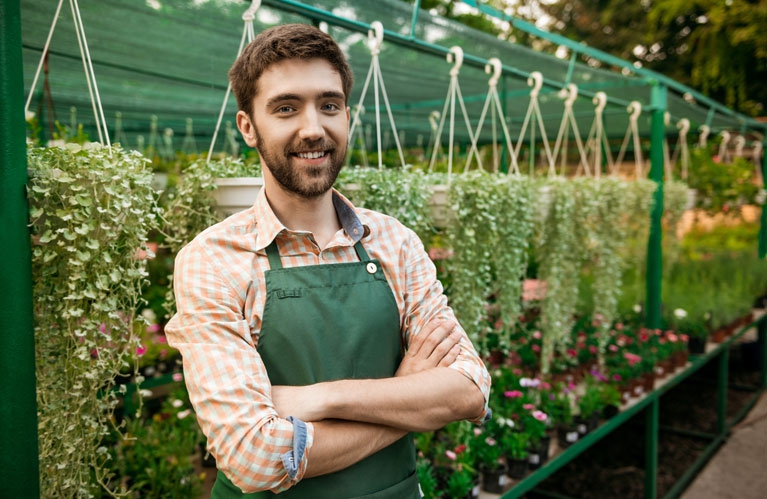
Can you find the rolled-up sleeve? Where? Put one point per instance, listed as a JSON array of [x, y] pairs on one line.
[[227, 381]]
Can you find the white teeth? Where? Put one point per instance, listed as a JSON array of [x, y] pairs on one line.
[[311, 155]]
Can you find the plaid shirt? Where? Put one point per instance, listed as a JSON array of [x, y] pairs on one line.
[[220, 295]]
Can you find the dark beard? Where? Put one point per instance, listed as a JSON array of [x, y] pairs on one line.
[[308, 182]]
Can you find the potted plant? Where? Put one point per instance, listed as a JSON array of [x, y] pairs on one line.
[[488, 453], [515, 445]]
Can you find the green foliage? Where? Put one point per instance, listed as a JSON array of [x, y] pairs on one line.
[[721, 187], [399, 193], [92, 210], [153, 458], [191, 208]]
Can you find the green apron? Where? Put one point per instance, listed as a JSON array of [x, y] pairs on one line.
[[330, 322]]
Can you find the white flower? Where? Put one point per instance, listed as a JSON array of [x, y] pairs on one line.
[[145, 393], [680, 313], [637, 308], [183, 414], [177, 403]]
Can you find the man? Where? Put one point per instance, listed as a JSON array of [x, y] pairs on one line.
[[293, 315]]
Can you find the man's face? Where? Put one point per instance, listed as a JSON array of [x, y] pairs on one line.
[[300, 125]]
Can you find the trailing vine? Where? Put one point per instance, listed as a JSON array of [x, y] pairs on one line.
[[675, 203], [559, 262], [489, 235], [91, 212]]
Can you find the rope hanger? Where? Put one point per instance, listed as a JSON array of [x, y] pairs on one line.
[[632, 132], [90, 75], [494, 66], [569, 94], [455, 56], [247, 34], [375, 40], [534, 111]]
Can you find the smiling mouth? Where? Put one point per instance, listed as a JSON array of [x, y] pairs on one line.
[[311, 155]]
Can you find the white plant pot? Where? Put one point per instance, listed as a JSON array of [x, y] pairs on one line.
[[236, 194], [441, 212]]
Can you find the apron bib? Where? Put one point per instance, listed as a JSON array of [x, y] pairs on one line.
[[325, 323]]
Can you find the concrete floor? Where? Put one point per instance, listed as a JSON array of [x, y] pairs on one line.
[[739, 469]]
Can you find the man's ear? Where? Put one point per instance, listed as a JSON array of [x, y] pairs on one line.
[[247, 129]]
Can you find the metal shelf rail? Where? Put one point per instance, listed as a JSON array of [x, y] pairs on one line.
[[649, 404]]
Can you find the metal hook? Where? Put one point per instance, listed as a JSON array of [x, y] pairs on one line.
[[433, 117], [684, 126], [457, 53], [535, 80], [375, 37], [635, 109], [600, 101], [666, 118], [725, 136], [572, 94], [494, 65], [250, 14], [704, 131]]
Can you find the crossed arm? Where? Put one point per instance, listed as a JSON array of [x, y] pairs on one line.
[[356, 418]]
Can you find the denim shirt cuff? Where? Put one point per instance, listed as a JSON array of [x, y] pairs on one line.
[[292, 458]]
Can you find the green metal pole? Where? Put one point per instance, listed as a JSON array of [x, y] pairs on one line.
[[651, 449], [414, 20], [19, 465], [723, 368], [763, 227], [654, 243]]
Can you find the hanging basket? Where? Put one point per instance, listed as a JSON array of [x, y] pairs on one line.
[[236, 194]]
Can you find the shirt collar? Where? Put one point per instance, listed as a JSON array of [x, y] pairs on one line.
[[269, 226]]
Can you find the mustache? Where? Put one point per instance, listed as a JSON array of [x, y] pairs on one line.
[[315, 145]]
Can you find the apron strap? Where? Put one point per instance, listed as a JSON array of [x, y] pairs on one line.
[[276, 263], [274, 255]]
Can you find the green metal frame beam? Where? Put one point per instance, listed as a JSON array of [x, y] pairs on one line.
[[647, 74], [654, 243], [19, 465]]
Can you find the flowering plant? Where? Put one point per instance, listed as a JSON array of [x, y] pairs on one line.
[[485, 446]]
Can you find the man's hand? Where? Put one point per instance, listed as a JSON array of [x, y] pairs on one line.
[[435, 346]]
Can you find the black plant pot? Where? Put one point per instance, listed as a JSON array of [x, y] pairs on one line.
[[697, 345], [567, 435], [494, 481], [208, 461], [517, 468]]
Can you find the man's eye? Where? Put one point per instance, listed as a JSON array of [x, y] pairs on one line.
[[331, 107], [284, 109]]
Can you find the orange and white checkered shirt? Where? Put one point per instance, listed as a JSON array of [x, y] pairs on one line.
[[220, 295]]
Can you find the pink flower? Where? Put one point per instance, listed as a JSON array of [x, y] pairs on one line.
[[537, 335], [536, 348], [632, 358], [619, 326], [528, 407], [512, 394], [490, 441], [572, 352], [141, 350], [451, 455], [545, 385], [540, 415], [613, 348], [593, 350], [161, 339], [177, 377], [477, 432], [153, 328]]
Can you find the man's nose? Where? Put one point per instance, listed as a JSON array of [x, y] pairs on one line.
[[311, 125]]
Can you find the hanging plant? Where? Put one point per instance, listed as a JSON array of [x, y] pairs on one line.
[[489, 234], [399, 193], [91, 212], [674, 205], [559, 256]]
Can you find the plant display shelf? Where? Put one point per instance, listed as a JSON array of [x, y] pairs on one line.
[[650, 404]]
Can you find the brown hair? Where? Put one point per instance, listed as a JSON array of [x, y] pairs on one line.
[[288, 41]]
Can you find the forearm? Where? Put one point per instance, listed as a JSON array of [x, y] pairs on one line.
[[423, 401], [339, 444]]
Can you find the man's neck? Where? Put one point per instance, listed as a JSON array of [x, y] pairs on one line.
[[316, 215]]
